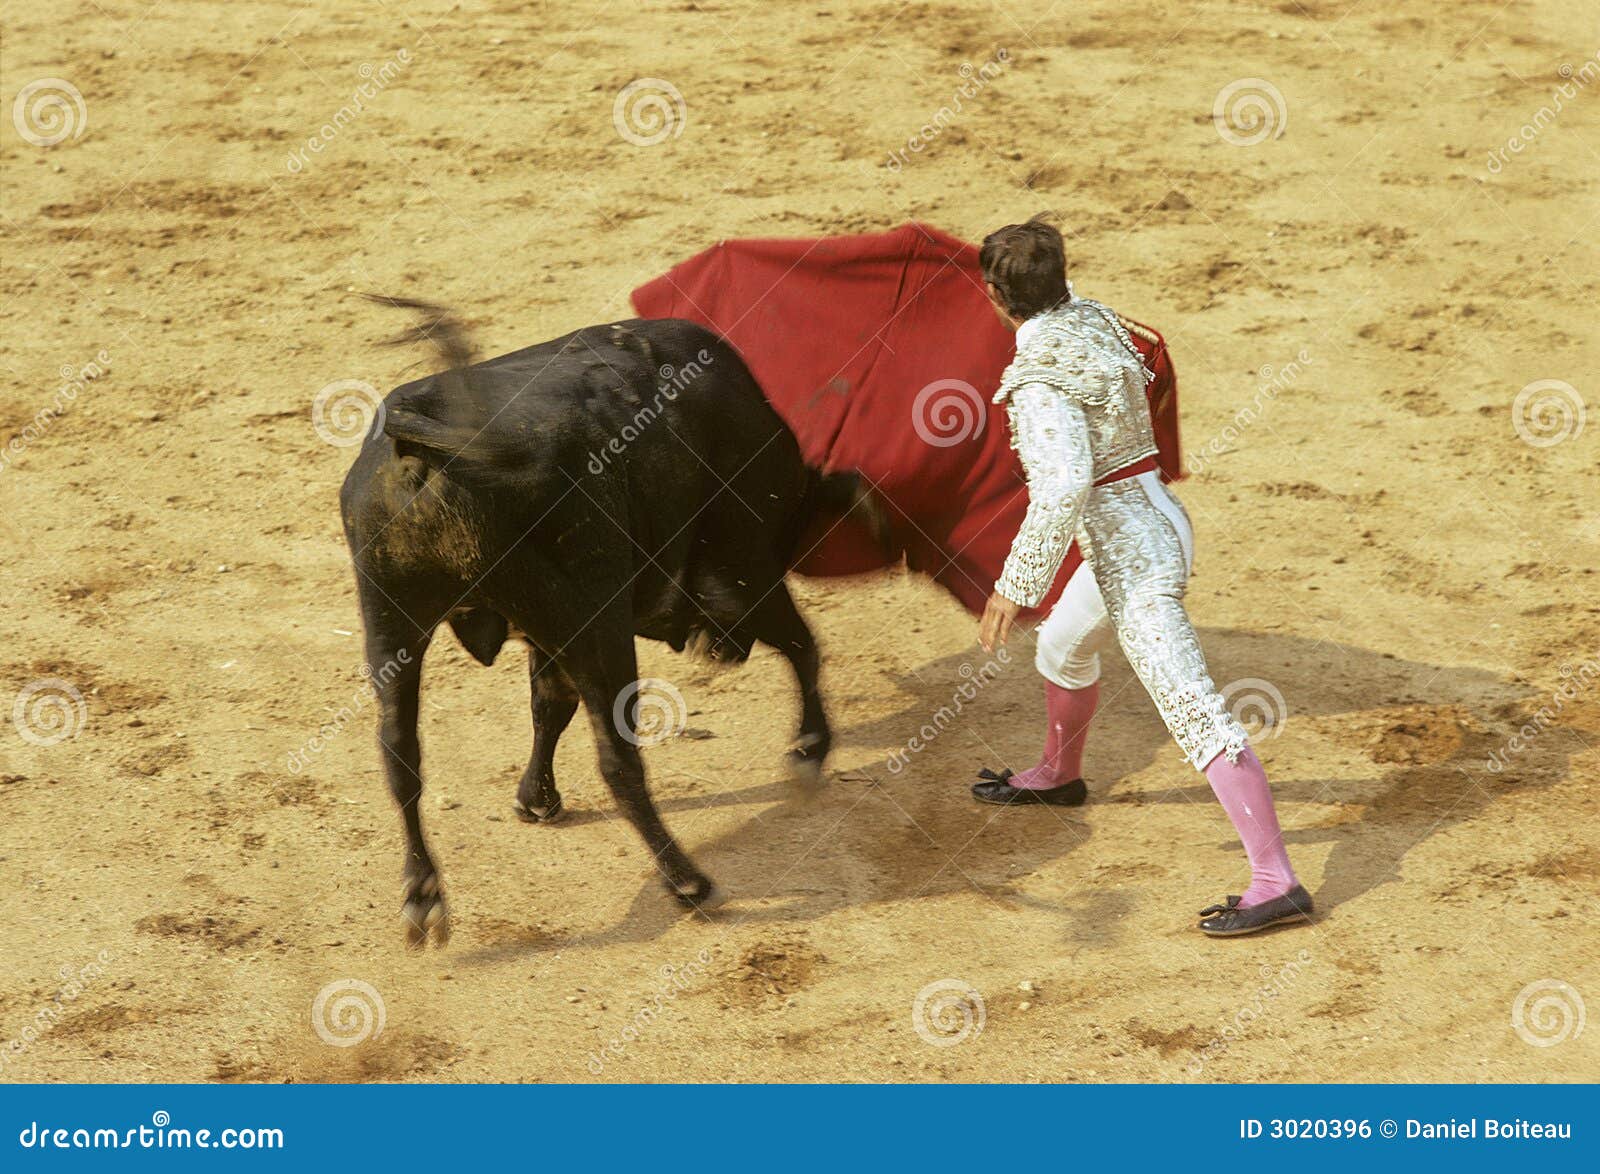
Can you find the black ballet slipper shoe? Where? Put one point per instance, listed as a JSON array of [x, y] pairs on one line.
[[995, 789], [1230, 921]]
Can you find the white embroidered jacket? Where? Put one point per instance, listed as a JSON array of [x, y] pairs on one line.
[[1076, 399]]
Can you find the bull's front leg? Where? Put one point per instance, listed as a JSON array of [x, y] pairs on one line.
[[624, 774], [603, 667], [777, 622], [555, 700]]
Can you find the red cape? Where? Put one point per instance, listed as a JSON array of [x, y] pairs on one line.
[[882, 352]]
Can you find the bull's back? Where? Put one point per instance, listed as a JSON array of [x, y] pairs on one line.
[[703, 388], [672, 406], [658, 419]]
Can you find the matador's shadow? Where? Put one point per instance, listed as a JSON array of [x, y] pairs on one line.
[[1417, 736]]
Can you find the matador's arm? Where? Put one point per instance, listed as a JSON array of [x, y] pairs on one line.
[[1052, 441]]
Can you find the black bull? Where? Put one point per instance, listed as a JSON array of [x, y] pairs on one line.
[[623, 480]]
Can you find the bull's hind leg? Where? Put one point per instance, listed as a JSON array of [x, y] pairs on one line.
[[395, 646], [776, 621], [555, 700]]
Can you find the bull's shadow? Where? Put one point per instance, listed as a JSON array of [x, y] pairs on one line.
[[1417, 736]]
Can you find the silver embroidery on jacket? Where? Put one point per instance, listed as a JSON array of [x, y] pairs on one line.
[[1051, 436], [1082, 350], [1088, 402]]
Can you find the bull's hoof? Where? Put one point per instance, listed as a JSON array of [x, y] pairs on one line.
[[426, 915], [805, 761], [535, 813], [804, 771], [697, 893]]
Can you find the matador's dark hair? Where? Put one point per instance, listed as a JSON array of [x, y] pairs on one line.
[[1027, 264]]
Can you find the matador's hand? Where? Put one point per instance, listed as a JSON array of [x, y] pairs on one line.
[[998, 616]]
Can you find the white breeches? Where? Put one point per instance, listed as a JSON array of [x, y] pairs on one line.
[[1138, 552], [1079, 627]]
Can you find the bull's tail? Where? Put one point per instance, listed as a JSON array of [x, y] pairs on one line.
[[452, 424], [851, 495], [437, 325]]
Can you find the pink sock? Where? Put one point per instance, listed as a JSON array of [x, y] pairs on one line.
[[1241, 787], [1069, 711]]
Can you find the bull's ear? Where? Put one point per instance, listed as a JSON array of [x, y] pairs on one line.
[[481, 632]]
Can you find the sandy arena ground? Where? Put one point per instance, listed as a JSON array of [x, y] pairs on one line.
[[1397, 563]]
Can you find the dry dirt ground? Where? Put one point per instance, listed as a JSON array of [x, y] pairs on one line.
[[1388, 542]]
